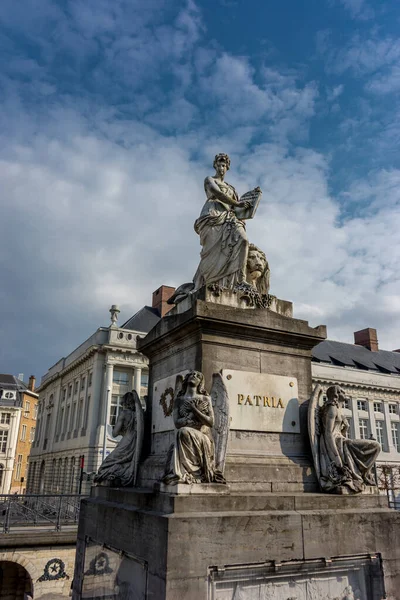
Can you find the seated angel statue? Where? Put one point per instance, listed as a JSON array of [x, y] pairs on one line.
[[343, 465], [119, 468], [192, 458]]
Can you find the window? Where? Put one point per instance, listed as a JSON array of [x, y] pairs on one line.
[[72, 481], [346, 403], [71, 427], [66, 419], [114, 409], [378, 407], [64, 394], [23, 433], [27, 408], [1, 474], [3, 440], [363, 429], [380, 436], [393, 409], [70, 390], [396, 436], [32, 434], [5, 418], [38, 429], [361, 405], [35, 411], [90, 379], [18, 468], [80, 414], [83, 382], [120, 377], [76, 387], [59, 420], [144, 380], [85, 422]]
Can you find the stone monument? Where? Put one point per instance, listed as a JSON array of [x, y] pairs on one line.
[[229, 501]]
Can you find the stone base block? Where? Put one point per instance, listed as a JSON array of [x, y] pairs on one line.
[[193, 488], [180, 545]]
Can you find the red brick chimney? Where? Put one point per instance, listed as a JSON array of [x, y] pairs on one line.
[[367, 338], [31, 384], [160, 298]]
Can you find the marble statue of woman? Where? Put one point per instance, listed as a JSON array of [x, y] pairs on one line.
[[343, 465], [120, 467], [198, 454], [222, 230]]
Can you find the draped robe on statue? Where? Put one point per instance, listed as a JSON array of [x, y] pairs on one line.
[[223, 239], [192, 459], [119, 466], [357, 457]]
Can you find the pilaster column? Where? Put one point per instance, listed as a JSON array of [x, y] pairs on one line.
[[108, 389], [107, 400], [388, 426], [137, 379], [356, 422]]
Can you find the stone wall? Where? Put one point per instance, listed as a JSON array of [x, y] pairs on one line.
[[50, 566]]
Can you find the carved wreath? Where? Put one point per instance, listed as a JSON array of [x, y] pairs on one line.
[[54, 570], [167, 406]]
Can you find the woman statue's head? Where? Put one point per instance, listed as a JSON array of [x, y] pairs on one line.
[[221, 163], [196, 379]]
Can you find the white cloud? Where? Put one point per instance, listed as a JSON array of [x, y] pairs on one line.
[[358, 9], [100, 194]]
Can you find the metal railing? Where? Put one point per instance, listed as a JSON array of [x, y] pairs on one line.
[[388, 479], [38, 510]]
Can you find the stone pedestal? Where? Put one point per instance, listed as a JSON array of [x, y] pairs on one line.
[[205, 335], [266, 534], [233, 546]]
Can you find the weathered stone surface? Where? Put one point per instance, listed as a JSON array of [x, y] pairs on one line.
[[182, 536], [209, 338]]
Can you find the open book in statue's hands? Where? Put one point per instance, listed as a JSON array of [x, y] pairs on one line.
[[248, 204]]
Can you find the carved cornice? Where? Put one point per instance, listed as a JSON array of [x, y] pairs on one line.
[[366, 389]]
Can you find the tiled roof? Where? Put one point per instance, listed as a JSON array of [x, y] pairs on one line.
[[358, 357], [12, 383], [144, 320]]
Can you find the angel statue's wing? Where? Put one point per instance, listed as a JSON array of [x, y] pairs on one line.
[[220, 402], [139, 413], [314, 425], [178, 385]]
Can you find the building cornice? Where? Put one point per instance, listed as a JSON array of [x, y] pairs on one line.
[[103, 349], [328, 381]]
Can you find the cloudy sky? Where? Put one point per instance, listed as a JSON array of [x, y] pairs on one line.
[[110, 115]]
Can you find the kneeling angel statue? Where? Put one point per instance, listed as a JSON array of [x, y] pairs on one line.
[[202, 424]]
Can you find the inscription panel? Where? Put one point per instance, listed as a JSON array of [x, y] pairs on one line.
[[262, 402]]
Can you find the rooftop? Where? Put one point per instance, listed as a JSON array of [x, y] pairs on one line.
[[358, 357]]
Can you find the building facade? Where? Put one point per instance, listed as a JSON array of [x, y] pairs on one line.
[[82, 392], [371, 379], [18, 408]]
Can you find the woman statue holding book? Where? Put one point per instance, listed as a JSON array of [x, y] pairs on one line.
[[222, 230]]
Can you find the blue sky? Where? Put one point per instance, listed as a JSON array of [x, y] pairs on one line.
[[111, 113]]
